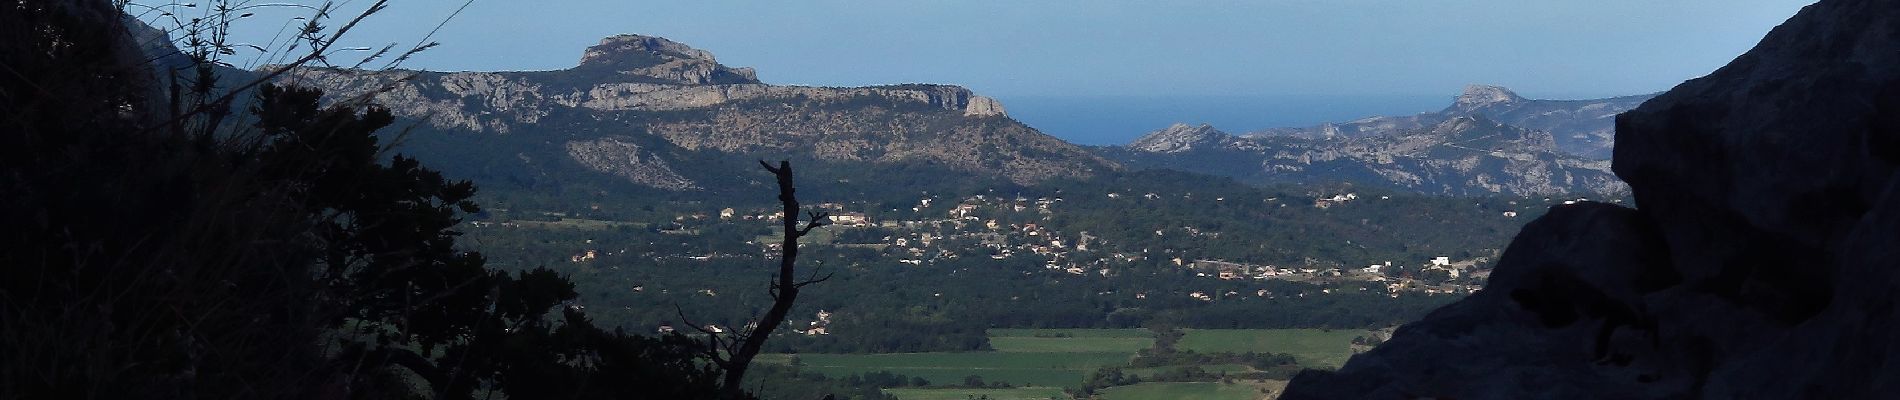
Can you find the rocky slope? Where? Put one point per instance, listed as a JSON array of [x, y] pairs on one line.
[[1466, 155], [1581, 128], [1181, 138], [1761, 263], [630, 89]]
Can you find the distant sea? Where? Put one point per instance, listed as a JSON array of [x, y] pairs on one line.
[[1117, 120]]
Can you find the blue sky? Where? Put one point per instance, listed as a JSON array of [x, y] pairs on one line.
[[1123, 49], [1129, 48]]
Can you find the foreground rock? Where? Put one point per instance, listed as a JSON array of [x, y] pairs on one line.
[[1761, 264]]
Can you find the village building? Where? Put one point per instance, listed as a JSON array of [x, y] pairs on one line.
[[850, 219], [590, 255], [963, 211]]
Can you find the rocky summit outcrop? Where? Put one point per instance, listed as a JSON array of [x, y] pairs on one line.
[[660, 60], [1466, 155], [1583, 128], [1181, 137], [1760, 264], [1478, 97], [634, 86]]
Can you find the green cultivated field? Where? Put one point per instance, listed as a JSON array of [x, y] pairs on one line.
[[1069, 345], [1212, 369], [1182, 391], [1077, 340], [1028, 393], [1041, 363], [1072, 342], [1315, 348], [1080, 333], [1021, 369]]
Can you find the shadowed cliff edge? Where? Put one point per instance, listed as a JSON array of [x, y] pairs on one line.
[[1759, 263]]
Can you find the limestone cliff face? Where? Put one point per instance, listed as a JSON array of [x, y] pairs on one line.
[[1760, 264], [882, 134], [685, 96]]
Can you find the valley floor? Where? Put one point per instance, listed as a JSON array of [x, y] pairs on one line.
[[1056, 363]]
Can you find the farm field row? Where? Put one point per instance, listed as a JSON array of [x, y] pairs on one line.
[[1056, 369], [1039, 363], [1315, 348]]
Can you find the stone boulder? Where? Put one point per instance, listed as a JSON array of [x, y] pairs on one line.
[[1760, 262]]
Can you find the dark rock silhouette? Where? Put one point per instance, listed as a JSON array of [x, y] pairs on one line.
[[1759, 263]]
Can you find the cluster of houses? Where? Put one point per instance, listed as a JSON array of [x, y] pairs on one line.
[[819, 326], [983, 222], [970, 222], [1337, 199], [1381, 272], [589, 255]]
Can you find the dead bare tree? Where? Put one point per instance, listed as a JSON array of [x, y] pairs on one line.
[[735, 353]]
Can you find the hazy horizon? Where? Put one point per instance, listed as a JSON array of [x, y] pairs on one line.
[[1116, 48], [1102, 73], [1116, 120]]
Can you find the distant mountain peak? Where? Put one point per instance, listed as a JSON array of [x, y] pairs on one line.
[[1479, 96], [1182, 137], [616, 46], [662, 59], [1583, 128], [1185, 127]]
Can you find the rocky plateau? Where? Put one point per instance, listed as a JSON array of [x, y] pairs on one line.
[[631, 87]]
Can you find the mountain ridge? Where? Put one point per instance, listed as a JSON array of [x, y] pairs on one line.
[[1584, 128], [1182, 137], [631, 86], [1461, 155]]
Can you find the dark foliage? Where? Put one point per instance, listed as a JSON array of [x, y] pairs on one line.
[[158, 250]]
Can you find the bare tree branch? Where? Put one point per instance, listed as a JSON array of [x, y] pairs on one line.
[[713, 343], [812, 281], [815, 219], [784, 287]]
